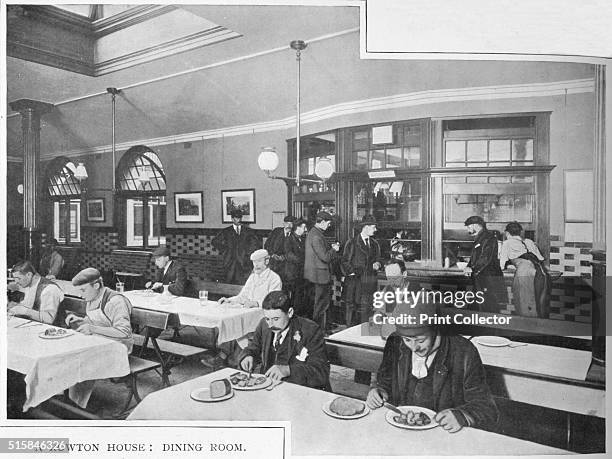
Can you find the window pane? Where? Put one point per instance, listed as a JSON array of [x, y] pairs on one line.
[[493, 208], [455, 164], [455, 151], [412, 156], [74, 215], [394, 157], [476, 150], [361, 160], [477, 179], [412, 134], [62, 220], [499, 150], [499, 179], [361, 140], [522, 179], [479, 164], [454, 179], [377, 159], [522, 150]]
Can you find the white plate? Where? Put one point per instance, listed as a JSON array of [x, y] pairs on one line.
[[144, 293], [391, 414], [68, 333], [257, 387], [329, 412], [203, 395], [493, 341]]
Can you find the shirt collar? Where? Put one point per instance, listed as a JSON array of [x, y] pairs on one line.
[[283, 334]]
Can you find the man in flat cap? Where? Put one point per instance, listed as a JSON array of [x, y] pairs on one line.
[[171, 273], [41, 297], [261, 282], [275, 245], [360, 263], [483, 266], [287, 347], [319, 253], [236, 243], [423, 367], [107, 314]]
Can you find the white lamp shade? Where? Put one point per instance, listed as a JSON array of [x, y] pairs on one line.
[[20, 188], [268, 159], [80, 172], [324, 168]]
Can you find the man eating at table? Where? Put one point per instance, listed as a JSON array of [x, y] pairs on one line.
[[107, 314], [287, 347], [171, 273], [425, 368], [41, 298], [261, 282]]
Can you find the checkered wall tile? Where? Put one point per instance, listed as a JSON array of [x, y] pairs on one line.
[[571, 258]]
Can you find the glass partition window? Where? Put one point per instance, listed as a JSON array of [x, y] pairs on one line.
[[65, 192], [397, 207], [67, 221], [402, 151], [156, 209], [314, 150]]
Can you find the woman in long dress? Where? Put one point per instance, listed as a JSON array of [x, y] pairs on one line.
[[523, 286]]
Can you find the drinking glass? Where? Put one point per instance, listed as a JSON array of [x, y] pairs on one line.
[[119, 286], [203, 297]]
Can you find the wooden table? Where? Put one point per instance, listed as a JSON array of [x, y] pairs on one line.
[[540, 375], [52, 365], [315, 433]]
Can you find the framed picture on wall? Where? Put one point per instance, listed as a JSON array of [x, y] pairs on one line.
[[243, 200], [95, 210], [188, 207]]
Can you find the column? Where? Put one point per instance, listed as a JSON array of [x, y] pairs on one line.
[[599, 227], [31, 111]]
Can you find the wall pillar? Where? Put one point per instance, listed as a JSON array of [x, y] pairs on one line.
[[31, 111]]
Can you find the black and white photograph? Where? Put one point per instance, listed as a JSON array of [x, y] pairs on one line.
[[242, 201], [410, 258], [188, 207], [95, 210]]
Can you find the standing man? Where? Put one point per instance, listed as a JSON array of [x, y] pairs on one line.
[[51, 262], [287, 347], [170, 273], [484, 264], [317, 258], [42, 297], [236, 243], [275, 245], [360, 262], [294, 283]]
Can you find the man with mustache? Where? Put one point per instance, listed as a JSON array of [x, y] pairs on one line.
[[287, 347]]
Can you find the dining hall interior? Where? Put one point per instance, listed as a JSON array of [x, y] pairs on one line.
[[136, 133]]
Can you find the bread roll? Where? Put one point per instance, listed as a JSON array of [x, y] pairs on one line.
[[346, 406]]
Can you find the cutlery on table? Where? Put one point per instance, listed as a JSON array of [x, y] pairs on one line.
[[517, 344], [394, 408], [25, 323]]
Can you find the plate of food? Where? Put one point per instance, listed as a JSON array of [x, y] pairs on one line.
[[415, 418], [217, 391], [493, 341], [345, 408], [55, 333], [242, 381], [146, 293]]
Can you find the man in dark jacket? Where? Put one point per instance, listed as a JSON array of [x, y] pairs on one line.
[[294, 283], [170, 273], [236, 243], [287, 347], [360, 262], [317, 258], [484, 264], [275, 245], [421, 367]]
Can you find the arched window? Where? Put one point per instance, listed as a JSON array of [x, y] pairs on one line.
[[141, 184], [64, 190]]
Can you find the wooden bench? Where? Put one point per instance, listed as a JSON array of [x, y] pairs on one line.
[[169, 353], [217, 290], [130, 266]]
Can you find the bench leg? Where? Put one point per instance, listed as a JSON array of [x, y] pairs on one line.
[[133, 386]]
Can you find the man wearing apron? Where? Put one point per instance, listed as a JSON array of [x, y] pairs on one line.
[[107, 314]]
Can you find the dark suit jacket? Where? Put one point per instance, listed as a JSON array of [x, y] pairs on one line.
[[275, 245], [459, 380], [176, 279], [317, 257], [294, 254], [235, 251], [357, 261], [303, 333]]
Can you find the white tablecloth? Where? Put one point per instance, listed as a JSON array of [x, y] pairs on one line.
[[52, 365], [233, 323], [533, 358], [315, 433]]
